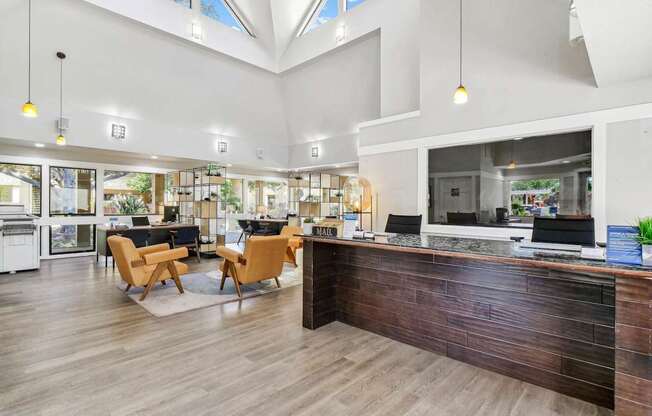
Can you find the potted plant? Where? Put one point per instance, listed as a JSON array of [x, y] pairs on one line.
[[645, 238], [308, 223]]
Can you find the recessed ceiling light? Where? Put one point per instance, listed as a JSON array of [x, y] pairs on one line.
[[154, 157], [39, 145], [566, 161], [518, 138]]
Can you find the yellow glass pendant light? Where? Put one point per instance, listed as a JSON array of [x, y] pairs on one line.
[[29, 109], [61, 140], [461, 96]]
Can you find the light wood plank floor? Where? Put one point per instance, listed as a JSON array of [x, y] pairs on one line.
[[72, 344]]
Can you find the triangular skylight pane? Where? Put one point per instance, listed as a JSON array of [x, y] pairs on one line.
[[328, 11], [220, 11], [352, 3]]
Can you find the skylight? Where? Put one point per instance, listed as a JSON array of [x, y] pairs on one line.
[[185, 3], [326, 10], [352, 3], [223, 12]]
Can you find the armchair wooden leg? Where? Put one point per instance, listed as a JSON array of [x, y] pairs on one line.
[[277, 282], [291, 256], [152, 280], [128, 287], [235, 280], [225, 273], [172, 268], [197, 251]]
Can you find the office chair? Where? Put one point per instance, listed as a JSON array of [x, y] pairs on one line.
[[576, 231], [403, 224]]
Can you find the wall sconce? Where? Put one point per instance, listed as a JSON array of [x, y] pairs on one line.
[[118, 131], [196, 31], [222, 147], [315, 151], [340, 34]]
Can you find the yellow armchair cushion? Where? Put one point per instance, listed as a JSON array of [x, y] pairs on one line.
[[229, 254]]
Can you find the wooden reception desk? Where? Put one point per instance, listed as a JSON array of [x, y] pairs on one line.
[[580, 327]]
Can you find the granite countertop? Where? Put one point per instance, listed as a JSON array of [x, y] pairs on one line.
[[491, 248]]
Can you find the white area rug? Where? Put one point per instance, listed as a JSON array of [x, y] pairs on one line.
[[203, 290]]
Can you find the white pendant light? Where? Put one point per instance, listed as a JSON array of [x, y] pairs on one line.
[[461, 96], [61, 139], [29, 109]]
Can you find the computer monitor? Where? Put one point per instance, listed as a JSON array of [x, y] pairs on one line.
[[139, 221], [170, 213], [564, 230]]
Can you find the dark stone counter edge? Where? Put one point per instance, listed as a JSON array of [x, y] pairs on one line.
[[578, 265]]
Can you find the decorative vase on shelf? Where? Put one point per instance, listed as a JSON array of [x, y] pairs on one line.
[[647, 254], [307, 228]]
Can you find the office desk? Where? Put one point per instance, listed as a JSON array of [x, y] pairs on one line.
[[103, 232], [579, 327]]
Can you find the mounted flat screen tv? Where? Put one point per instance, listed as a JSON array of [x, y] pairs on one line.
[[510, 182]]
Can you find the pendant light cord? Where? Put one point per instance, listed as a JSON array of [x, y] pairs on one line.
[[460, 42], [29, 51], [60, 95]]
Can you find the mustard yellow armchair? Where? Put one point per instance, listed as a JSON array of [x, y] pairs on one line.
[[294, 243], [262, 259], [147, 265]]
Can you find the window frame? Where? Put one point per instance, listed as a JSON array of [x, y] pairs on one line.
[[93, 214], [40, 167]]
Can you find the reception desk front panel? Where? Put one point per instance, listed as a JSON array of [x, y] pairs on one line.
[[580, 331]]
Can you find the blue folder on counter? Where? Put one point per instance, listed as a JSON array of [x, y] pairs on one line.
[[622, 245]]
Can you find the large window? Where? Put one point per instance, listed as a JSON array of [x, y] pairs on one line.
[[68, 239], [508, 183], [21, 184], [72, 191], [132, 193], [232, 196], [221, 11], [267, 198]]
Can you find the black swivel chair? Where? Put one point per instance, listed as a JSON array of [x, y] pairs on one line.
[[564, 230], [159, 236], [186, 237], [403, 224]]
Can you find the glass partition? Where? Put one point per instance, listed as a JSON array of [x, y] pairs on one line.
[[508, 183], [21, 184], [72, 191]]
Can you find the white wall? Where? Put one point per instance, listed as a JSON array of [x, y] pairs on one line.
[[629, 167], [393, 178], [330, 96], [518, 66], [398, 22], [175, 97]]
